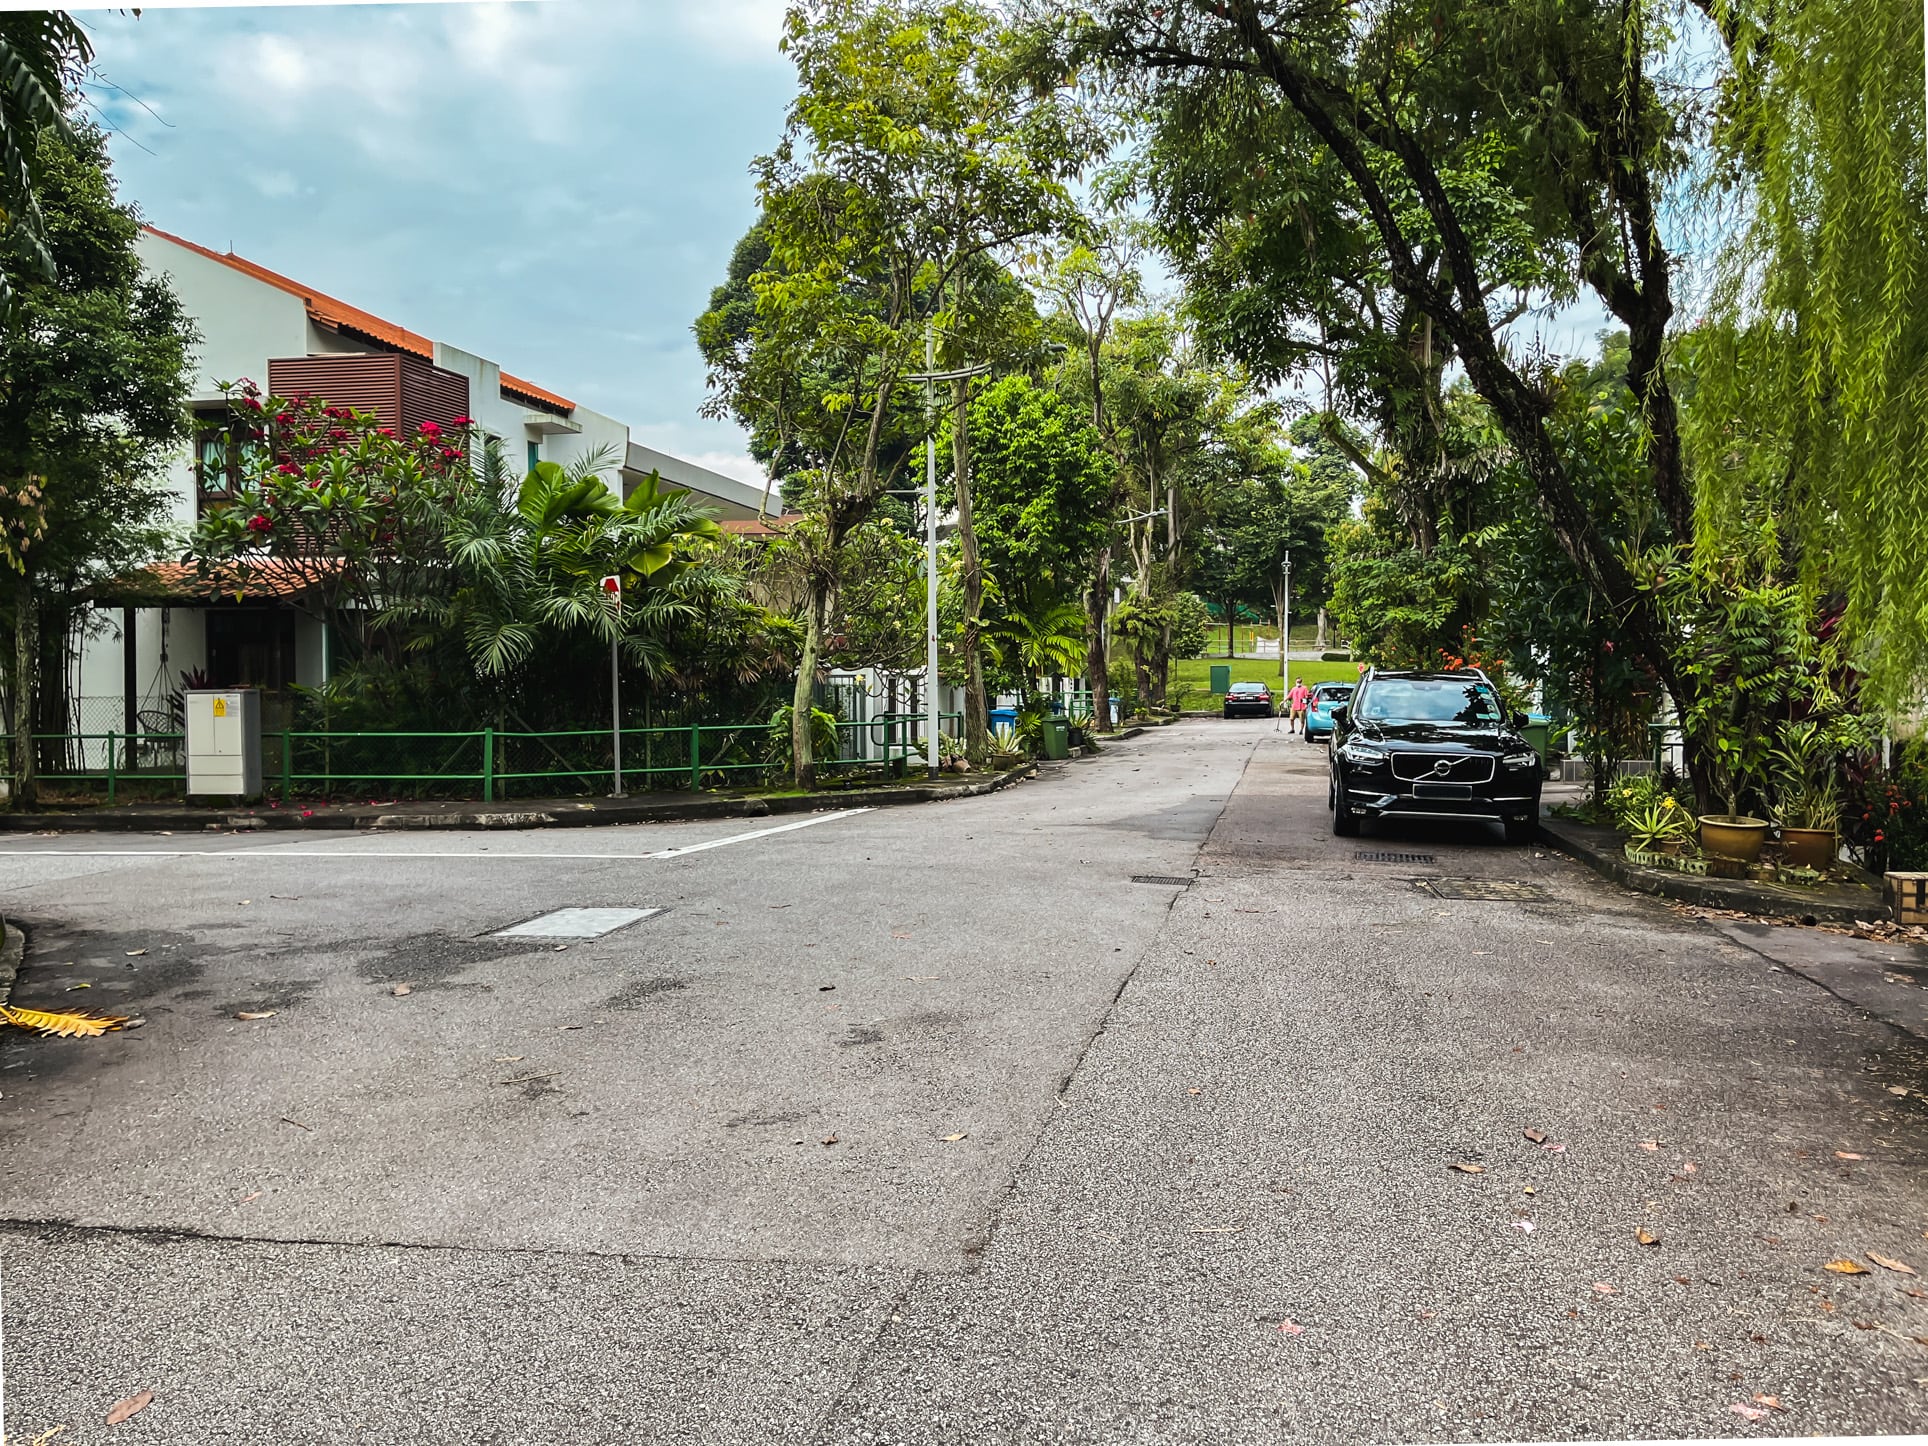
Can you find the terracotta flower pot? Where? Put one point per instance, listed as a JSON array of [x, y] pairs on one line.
[[1809, 848], [1733, 838]]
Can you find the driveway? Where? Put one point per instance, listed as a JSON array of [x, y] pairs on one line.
[[1120, 1106]]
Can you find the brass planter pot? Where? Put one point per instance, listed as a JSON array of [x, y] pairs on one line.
[[1733, 838], [1809, 848]]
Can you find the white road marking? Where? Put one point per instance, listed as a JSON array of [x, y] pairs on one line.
[[385, 855]]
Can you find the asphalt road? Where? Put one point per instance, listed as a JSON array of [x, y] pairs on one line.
[[933, 1125]]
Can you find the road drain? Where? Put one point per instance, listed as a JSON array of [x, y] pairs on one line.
[[1167, 879], [1373, 858], [1499, 889]]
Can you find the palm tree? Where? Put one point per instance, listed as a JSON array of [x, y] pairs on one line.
[[43, 55]]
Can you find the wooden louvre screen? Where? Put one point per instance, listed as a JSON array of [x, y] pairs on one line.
[[403, 391]]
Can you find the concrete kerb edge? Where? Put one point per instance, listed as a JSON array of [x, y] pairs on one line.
[[582, 816], [1713, 894]]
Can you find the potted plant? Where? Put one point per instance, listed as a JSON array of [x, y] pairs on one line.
[[1006, 752], [1807, 798], [1660, 827], [1079, 720]]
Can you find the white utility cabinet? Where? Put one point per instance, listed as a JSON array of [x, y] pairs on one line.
[[223, 742]]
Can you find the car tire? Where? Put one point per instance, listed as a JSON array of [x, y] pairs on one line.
[[1344, 825], [1519, 830]]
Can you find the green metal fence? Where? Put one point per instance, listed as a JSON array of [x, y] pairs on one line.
[[489, 763]]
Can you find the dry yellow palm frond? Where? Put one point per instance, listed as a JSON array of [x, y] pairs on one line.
[[66, 1024]]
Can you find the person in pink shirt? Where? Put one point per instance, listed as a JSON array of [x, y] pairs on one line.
[[1296, 700]]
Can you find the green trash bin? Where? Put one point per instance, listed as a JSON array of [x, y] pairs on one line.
[[1056, 738], [1221, 678], [1536, 732]]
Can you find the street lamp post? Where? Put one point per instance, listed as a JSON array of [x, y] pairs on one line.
[[933, 710], [1285, 626]]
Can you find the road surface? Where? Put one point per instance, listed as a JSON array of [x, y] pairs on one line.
[[1121, 1106]]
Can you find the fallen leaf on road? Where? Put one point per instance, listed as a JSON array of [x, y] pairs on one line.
[[401, 989], [1427, 1314], [132, 1406], [255, 1014], [1604, 1288], [1895, 1265], [136, 953], [1897, 1089], [1194, 1091], [1648, 1145], [510, 1058], [828, 1140], [568, 1026], [899, 936], [297, 1124], [253, 1195], [779, 906], [1291, 1328], [72, 987], [1526, 1225], [1846, 1267], [1752, 1413], [916, 978], [1465, 1168], [1866, 1325], [953, 1139], [1848, 1155], [1555, 1149], [1536, 1136], [529, 1078], [1646, 1238], [1528, 1189]]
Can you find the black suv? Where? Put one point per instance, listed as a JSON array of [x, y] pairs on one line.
[[1432, 745]]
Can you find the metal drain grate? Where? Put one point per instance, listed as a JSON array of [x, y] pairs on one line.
[[575, 923], [1380, 858], [1168, 879], [1495, 889]]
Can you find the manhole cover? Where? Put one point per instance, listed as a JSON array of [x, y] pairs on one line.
[[1167, 879], [574, 924], [1483, 889], [1373, 858]]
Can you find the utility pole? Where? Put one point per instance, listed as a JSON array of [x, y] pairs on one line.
[[612, 591], [933, 710], [930, 377], [1285, 628]]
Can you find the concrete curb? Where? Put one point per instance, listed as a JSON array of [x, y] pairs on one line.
[[13, 952], [583, 813], [1745, 895]]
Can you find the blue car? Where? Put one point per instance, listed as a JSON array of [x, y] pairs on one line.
[[1318, 712]]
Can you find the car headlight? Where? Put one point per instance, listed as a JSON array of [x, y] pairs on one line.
[[1528, 759], [1363, 754]]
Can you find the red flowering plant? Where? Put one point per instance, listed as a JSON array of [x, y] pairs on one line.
[[331, 510]]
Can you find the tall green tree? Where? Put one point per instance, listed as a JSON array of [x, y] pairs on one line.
[[1431, 123], [43, 56], [94, 402], [907, 157], [1810, 416]]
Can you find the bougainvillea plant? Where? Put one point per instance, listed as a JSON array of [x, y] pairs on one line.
[[329, 510]]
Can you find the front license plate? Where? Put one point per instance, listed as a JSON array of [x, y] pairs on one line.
[[1458, 792]]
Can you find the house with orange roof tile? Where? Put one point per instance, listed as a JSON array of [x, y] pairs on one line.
[[291, 338]]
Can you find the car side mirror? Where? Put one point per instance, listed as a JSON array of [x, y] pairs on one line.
[[1520, 720], [1337, 713]]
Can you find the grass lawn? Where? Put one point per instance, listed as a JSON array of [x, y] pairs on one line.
[[1191, 682]]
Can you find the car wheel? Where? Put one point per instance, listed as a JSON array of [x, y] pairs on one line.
[[1519, 830], [1344, 824]]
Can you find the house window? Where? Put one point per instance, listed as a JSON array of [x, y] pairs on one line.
[[219, 464], [535, 454]]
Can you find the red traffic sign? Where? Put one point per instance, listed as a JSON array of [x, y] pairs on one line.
[[612, 590]]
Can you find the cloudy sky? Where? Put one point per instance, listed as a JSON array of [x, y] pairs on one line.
[[556, 185]]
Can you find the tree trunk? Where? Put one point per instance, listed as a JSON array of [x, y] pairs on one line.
[[1231, 628], [1320, 641], [803, 759], [26, 692], [977, 724], [1097, 655], [1161, 666]]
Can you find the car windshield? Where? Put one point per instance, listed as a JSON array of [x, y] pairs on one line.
[[1468, 702]]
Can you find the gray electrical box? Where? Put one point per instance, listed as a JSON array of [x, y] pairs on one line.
[[223, 742]]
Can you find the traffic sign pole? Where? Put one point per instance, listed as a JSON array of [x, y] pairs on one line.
[[612, 588]]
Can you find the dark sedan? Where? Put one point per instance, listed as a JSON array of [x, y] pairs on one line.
[[1432, 745], [1248, 698]]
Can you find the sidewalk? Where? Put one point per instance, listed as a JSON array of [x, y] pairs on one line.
[[511, 813]]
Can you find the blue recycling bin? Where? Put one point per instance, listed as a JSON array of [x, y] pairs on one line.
[[1003, 715]]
